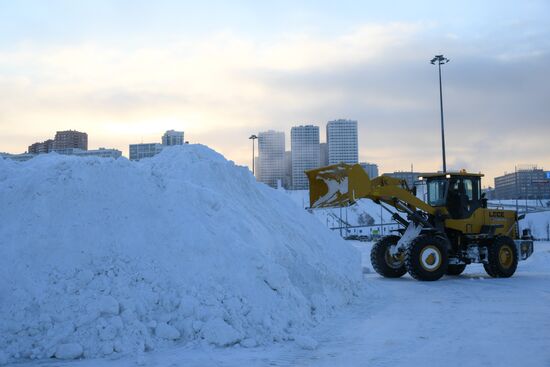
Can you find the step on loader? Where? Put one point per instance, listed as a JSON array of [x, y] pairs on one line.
[[451, 228]]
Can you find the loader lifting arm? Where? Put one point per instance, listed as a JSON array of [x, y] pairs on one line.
[[342, 184]]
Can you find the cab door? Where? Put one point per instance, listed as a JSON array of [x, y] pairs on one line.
[[464, 196], [464, 204]]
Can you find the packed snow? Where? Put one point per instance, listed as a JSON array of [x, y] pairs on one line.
[[105, 258], [185, 260], [471, 320]]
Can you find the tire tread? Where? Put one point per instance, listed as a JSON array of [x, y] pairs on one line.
[[377, 258], [493, 268], [413, 251]]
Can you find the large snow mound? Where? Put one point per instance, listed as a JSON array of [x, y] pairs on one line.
[[102, 256]]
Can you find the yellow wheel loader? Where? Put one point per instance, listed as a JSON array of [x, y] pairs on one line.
[[452, 228]]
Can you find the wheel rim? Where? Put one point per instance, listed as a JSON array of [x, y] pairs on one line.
[[506, 257], [394, 262], [430, 258]]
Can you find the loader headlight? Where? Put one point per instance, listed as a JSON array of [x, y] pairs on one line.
[[420, 178], [447, 176]]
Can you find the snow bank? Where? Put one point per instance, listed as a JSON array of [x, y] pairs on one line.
[[539, 262], [539, 223], [101, 256]]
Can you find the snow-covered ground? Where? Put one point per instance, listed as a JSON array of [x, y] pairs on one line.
[[185, 260], [470, 320]]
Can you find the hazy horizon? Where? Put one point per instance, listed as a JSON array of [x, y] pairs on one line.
[[126, 71]]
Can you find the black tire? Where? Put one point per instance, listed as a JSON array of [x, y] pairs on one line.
[[426, 258], [382, 262], [502, 258], [453, 269]]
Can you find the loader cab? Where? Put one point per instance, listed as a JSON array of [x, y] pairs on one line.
[[459, 192]]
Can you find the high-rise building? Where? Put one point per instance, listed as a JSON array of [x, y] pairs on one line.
[[41, 147], [257, 168], [342, 142], [323, 147], [527, 182], [271, 156], [371, 169], [139, 151], [70, 139], [304, 142], [172, 137], [287, 182]]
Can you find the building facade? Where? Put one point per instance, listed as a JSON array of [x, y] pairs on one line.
[[410, 177], [271, 157], [306, 154], [101, 152], [525, 183], [41, 147], [287, 182], [489, 193], [342, 142], [172, 137], [371, 169], [323, 147], [140, 151], [257, 172], [70, 139]]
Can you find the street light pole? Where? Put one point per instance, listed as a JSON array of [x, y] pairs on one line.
[[253, 137], [440, 59]]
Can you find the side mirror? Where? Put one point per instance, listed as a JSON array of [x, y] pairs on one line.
[[521, 217], [483, 195], [414, 190]]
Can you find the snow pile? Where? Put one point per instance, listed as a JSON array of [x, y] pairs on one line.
[[100, 256]]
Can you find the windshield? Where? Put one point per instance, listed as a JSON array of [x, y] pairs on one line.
[[436, 192]]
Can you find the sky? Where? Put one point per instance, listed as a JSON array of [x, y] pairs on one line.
[[126, 71]]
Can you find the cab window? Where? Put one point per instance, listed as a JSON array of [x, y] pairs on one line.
[[463, 197], [468, 189], [472, 189], [436, 192]]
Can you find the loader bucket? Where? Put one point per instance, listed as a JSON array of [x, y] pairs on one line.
[[336, 185]]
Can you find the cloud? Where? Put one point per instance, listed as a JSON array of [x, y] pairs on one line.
[[221, 87]]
